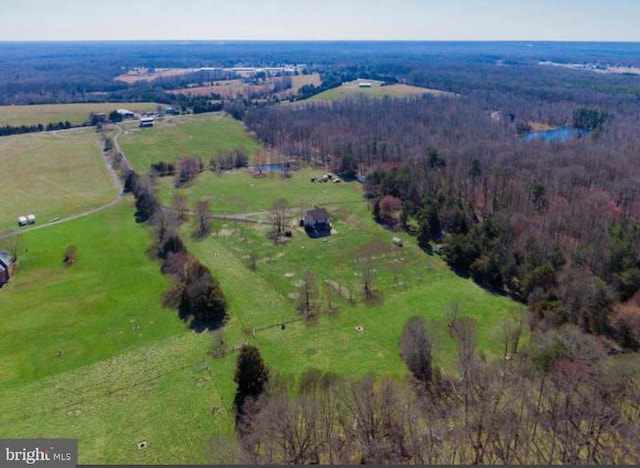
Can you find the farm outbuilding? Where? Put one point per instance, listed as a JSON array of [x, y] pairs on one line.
[[22, 221], [125, 114], [146, 122], [6, 267]]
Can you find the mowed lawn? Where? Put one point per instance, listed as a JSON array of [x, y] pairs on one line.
[[205, 135], [352, 89], [52, 174], [75, 113], [89, 352]]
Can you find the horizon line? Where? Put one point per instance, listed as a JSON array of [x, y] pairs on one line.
[[14, 41]]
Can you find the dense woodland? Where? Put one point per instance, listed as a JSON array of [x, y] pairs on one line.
[[561, 401], [555, 225]]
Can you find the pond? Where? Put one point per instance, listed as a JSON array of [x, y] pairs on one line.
[[557, 135], [276, 167]]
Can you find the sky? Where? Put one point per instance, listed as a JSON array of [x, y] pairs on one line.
[[558, 20]]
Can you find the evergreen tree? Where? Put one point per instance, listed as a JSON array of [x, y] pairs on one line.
[[251, 376]]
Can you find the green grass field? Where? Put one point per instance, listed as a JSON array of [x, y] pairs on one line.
[[202, 135], [74, 113], [410, 283], [352, 89], [52, 174], [130, 371], [239, 192], [115, 383]]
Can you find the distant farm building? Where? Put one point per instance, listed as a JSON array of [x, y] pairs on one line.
[[364, 84], [146, 122], [316, 222], [7, 264], [125, 114]]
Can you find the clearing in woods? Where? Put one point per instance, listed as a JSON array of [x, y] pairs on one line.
[[377, 89]]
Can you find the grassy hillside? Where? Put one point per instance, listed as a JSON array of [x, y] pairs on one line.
[[74, 113], [51, 174], [202, 135], [87, 310], [128, 370]]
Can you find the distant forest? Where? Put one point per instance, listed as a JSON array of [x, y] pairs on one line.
[[39, 73]]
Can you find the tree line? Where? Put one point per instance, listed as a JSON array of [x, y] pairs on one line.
[[195, 293], [8, 130], [560, 400]]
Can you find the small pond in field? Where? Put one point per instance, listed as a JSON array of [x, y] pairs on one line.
[[557, 135], [276, 167]]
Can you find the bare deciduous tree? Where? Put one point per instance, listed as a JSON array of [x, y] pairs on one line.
[[204, 217], [279, 215], [180, 205], [415, 350]]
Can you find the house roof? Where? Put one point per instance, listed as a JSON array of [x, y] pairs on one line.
[[319, 214], [6, 259]]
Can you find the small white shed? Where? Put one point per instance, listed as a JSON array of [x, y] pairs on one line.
[[22, 221], [31, 219]]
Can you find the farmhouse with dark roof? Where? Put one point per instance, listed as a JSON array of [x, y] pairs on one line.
[[316, 222]]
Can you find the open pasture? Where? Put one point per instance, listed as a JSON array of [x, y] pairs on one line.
[[75, 113], [238, 191], [203, 135], [89, 352], [52, 174], [407, 282]]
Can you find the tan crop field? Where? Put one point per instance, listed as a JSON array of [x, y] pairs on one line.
[[146, 75], [52, 174], [74, 113], [234, 88]]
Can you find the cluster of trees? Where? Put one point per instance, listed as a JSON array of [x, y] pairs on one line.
[[7, 130], [195, 292], [163, 169], [188, 169], [542, 222], [225, 162], [561, 400]]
